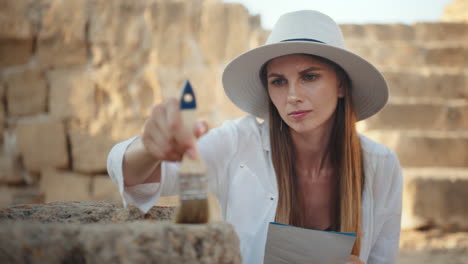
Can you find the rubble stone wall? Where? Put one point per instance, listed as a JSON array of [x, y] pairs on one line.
[[78, 76]]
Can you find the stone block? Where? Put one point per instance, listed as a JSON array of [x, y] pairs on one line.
[[6, 196], [72, 94], [454, 57], [89, 151], [15, 52], [84, 212], [65, 186], [42, 143], [391, 54], [10, 169], [62, 40], [103, 189], [433, 246], [173, 18], [426, 149], [377, 32], [14, 22], [213, 35], [456, 11], [435, 198], [137, 242], [26, 92], [2, 110], [441, 32], [420, 116], [237, 38], [428, 84], [388, 32]]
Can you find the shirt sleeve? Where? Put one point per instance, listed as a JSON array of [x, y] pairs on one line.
[[388, 213], [143, 196], [216, 148]]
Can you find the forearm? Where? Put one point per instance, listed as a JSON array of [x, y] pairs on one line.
[[139, 166]]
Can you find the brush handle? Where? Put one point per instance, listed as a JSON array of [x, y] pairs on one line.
[[192, 172]]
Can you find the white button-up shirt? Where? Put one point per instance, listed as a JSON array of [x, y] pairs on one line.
[[242, 177]]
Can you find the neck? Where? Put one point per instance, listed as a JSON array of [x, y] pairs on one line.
[[311, 147]]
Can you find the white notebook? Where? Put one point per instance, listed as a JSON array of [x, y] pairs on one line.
[[290, 244]]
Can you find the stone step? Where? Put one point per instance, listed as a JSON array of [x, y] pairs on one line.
[[407, 115], [425, 148], [405, 54], [419, 32], [428, 83], [433, 246], [435, 197]]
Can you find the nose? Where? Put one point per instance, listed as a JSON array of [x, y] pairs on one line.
[[293, 97]]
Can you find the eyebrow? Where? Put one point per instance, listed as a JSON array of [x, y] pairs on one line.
[[313, 68]]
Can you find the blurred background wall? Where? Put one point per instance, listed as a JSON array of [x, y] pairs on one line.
[[78, 76]]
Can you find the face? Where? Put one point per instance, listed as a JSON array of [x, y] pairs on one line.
[[304, 90]]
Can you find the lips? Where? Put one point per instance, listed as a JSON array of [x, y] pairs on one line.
[[299, 114]]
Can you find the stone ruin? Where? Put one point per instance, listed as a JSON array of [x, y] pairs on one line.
[[101, 232], [74, 83]]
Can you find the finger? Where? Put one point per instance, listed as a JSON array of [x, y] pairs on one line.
[[201, 128], [177, 129], [159, 119]]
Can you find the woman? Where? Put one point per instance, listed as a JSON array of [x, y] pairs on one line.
[[305, 165]]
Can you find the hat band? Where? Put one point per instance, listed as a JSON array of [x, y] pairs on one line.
[[303, 39]]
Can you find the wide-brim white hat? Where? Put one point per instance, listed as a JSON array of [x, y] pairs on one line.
[[308, 32]]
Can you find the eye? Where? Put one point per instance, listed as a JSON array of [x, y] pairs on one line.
[[310, 77], [278, 82]]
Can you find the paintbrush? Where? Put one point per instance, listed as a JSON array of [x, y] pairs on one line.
[[193, 207]]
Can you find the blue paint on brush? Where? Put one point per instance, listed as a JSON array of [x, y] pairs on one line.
[[187, 100]]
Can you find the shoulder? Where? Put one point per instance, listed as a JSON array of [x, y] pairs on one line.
[[382, 169], [381, 164], [242, 126], [374, 151]]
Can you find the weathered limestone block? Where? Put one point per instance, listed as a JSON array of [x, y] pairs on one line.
[[2, 109], [422, 116], [72, 94], [377, 32], [16, 33], [456, 56], [173, 42], [62, 39], [26, 92], [435, 198], [388, 32], [10, 171], [456, 11], [13, 20], [6, 196], [441, 32], [14, 52], [98, 232], [42, 143], [431, 149], [11, 195], [83, 213], [65, 186], [431, 84], [89, 151], [213, 35], [433, 246], [137, 242], [103, 189], [237, 38]]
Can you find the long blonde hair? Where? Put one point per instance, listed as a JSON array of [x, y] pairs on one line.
[[344, 154]]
